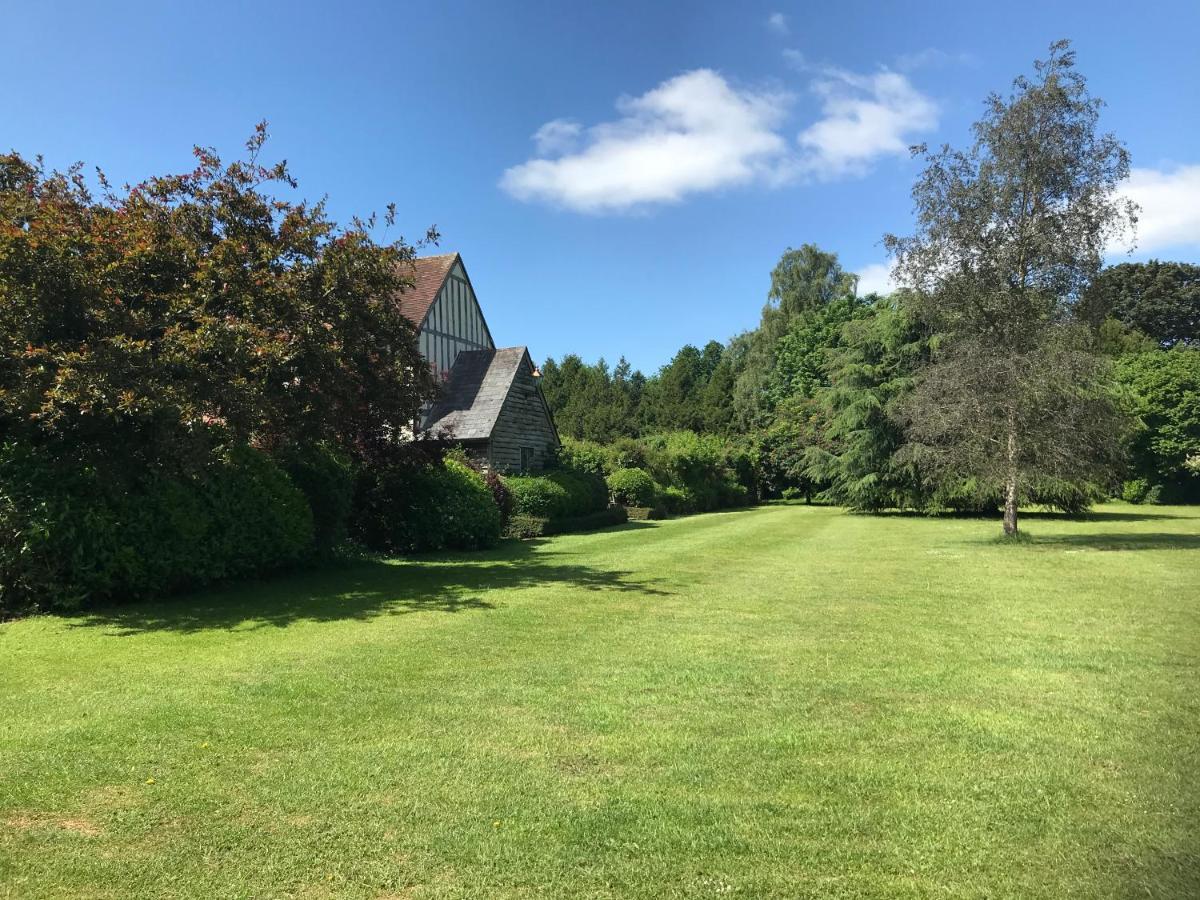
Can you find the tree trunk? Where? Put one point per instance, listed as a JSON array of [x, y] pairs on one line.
[[1010, 481]]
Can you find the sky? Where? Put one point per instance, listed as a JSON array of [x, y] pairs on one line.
[[619, 178]]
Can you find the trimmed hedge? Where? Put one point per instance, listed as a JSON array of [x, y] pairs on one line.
[[407, 508], [72, 533], [558, 494], [524, 526], [644, 513]]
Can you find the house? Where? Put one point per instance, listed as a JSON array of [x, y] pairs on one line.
[[490, 401]]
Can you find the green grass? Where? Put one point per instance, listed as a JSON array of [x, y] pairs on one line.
[[780, 702]]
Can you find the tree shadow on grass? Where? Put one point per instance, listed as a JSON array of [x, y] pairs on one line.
[[1103, 515], [1034, 514], [442, 583], [1157, 540]]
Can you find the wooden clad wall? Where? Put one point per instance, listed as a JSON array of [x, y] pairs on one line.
[[523, 422]]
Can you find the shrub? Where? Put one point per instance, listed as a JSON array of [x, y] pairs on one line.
[[632, 487], [523, 526], [1135, 490], [558, 494], [536, 497], [587, 491], [406, 507], [260, 518], [73, 532], [326, 477], [626, 453], [678, 501], [471, 516], [501, 495], [711, 472], [642, 513], [602, 518], [583, 456]]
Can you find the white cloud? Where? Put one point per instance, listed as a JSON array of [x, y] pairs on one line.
[[865, 117], [557, 136], [1170, 207], [778, 23], [692, 133], [695, 132], [876, 278]]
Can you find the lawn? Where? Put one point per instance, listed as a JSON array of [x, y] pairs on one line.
[[780, 702]]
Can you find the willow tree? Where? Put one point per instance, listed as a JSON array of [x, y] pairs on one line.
[[1009, 234]]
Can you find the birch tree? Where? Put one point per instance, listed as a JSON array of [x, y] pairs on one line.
[[1008, 236]]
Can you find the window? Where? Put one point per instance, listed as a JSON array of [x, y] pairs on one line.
[[526, 459]]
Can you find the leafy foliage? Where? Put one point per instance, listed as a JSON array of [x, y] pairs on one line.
[[632, 487], [558, 494], [407, 507], [326, 478], [501, 495], [1008, 236], [590, 402], [706, 472], [678, 397], [73, 533], [583, 456], [862, 466], [803, 284], [137, 320], [1165, 389], [1159, 299], [151, 335]]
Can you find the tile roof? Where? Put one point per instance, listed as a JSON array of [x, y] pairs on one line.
[[472, 399], [428, 275]]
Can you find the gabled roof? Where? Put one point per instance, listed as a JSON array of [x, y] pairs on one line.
[[471, 401], [429, 274]]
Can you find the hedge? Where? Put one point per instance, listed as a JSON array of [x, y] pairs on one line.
[[690, 472], [643, 513], [405, 508], [73, 532], [326, 477], [558, 494], [525, 526]]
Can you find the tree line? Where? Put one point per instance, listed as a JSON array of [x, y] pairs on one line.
[[1012, 367]]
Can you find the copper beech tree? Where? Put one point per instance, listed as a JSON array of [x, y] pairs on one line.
[[210, 305], [1009, 234]]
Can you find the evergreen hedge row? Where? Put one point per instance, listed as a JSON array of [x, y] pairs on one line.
[[73, 532]]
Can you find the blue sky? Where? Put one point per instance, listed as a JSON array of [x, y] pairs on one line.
[[620, 178]]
